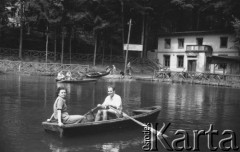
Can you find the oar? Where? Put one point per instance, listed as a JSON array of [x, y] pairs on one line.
[[90, 111], [159, 133]]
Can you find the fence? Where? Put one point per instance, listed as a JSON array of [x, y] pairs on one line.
[[40, 68], [40, 56], [198, 77]]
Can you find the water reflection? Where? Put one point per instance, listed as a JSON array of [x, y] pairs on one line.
[[25, 101], [121, 141]]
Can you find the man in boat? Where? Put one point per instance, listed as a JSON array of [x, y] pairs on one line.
[[60, 76], [112, 100], [60, 110]]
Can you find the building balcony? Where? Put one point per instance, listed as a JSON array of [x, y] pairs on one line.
[[199, 48]]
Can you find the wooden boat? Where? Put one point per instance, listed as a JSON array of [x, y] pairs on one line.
[[97, 74], [145, 115], [77, 80]]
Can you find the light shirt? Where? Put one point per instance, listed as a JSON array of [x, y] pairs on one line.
[[114, 101], [60, 76], [69, 74]]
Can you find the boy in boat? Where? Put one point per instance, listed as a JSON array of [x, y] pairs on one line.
[[112, 100], [60, 76], [69, 76]]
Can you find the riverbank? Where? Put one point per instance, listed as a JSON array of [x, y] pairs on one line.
[[139, 72], [149, 77]]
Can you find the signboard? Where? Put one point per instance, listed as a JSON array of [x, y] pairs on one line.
[[192, 54], [133, 47]]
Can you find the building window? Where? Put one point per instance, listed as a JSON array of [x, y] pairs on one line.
[[200, 41], [166, 60], [223, 42], [180, 43], [180, 60], [167, 43]]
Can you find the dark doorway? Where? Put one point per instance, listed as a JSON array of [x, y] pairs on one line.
[[199, 41], [192, 65]]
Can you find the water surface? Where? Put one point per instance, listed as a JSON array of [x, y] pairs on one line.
[[26, 101]]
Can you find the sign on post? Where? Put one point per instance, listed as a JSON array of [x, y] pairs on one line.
[[133, 47]]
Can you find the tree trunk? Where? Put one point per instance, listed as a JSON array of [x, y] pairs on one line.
[[103, 48], [111, 51], [62, 45], [70, 46], [20, 42], [21, 32], [55, 46], [95, 51], [145, 40], [122, 17]]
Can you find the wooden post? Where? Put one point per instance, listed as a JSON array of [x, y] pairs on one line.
[[47, 45], [126, 58], [143, 33]]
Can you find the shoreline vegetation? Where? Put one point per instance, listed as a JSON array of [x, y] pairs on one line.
[[139, 72]]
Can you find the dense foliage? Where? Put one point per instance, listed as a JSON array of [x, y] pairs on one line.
[[104, 22]]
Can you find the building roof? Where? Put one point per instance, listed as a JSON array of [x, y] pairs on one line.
[[224, 59], [185, 33]]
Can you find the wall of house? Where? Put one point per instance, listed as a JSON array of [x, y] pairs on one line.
[[212, 40]]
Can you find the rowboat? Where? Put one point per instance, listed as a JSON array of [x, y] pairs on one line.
[[97, 74], [77, 80], [144, 115]]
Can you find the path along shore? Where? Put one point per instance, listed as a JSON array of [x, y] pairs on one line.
[[150, 77]]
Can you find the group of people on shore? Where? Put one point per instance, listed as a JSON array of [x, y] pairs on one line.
[[122, 74], [111, 105]]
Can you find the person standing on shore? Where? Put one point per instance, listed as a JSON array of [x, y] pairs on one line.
[[129, 69], [114, 69]]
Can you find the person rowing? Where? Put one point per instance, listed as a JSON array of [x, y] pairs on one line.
[[113, 100]]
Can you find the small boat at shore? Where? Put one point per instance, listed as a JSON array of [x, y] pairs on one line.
[[97, 74], [145, 115], [85, 80]]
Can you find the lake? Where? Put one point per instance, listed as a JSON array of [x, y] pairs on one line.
[[26, 101]]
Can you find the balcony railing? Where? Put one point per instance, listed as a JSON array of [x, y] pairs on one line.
[[198, 48]]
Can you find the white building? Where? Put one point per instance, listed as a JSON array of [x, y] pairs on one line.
[[198, 51]]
